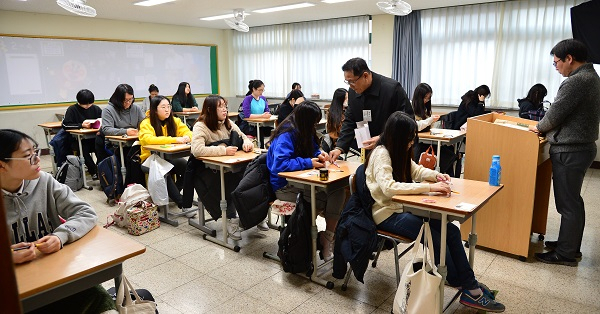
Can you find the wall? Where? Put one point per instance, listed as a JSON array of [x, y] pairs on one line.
[[382, 43], [73, 26]]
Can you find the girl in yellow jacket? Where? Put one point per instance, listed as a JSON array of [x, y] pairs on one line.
[[160, 127]]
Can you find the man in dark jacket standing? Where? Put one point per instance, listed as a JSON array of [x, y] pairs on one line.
[[372, 98], [571, 127]]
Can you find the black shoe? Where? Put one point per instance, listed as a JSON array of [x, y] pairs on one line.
[[554, 244], [95, 177], [554, 258]]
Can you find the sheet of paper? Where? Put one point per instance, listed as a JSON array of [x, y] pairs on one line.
[[309, 174], [362, 133], [465, 206]]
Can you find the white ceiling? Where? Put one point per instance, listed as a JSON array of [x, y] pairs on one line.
[[188, 12]]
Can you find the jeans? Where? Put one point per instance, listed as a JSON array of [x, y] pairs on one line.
[[408, 225]]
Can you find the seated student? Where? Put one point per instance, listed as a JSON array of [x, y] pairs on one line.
[[421, 103], [294, 146], [472, 104], [255, 105], [532, 106], [389, 171], [34, 200], [286, 107], [295, 86], [335, 116], [212, 131], [160, 127], [153, 90], [120, 117], [74, 119], [183, 100]]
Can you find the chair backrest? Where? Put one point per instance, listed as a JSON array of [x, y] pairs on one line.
[[352, 184]]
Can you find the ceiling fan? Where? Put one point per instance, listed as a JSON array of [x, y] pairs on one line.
[[78, 7], [395, 7], [237, 22]]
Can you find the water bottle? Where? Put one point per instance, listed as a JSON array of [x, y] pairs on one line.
[[495, 171]]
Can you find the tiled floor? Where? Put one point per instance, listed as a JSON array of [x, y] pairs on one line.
[[187, 274]]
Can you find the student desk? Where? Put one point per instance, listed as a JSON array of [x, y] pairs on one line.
[[441, 136], [233, 116], [261, 121], [189, 114], [122, 140], [476, 193], [311, 178], [80, 265], [233, 163], [166, 152], [51, 128], [83, 134]]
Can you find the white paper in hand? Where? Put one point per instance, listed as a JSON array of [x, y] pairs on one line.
[[362, 133]]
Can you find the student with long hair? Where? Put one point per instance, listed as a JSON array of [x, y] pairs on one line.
[[421, 103], [214, 127], [183, 100], [294, 146], [286, 107], [153, 91], [472, 104], [255, 105], [160, 127], [390, 170], [35, 203], [120, 117], [531, 106], [335, 116]]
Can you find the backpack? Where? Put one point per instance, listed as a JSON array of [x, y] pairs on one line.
[[537, 114], [133, 167], [61, 145], [294, 240], [111, 180], [70, 173], [132, 195]]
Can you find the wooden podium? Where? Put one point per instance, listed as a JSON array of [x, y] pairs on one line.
[[507, 221]]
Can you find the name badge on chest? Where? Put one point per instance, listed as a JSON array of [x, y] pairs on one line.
[[367, 115]]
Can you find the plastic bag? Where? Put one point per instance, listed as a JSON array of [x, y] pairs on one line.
[[157, 185]]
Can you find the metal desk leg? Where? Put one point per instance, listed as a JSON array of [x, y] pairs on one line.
[[81, 163], [201, 224], [223, 204], [472, 240], [313, 234], [439, 156], [123, 169], [442, 269], [260, 144], [48, 133]]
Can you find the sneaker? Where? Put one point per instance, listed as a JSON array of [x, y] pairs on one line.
[[554, 244], [491, 294], [233, 229], [327, 239], [554, 258], [95, 177], [481, 302], [191, 214], [263, 226]]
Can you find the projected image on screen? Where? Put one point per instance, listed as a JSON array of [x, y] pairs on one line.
[[44, 70]]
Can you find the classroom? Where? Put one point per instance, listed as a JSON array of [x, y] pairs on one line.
[[188, 271]]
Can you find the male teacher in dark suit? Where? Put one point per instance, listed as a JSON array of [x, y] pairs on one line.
[[571, 127], [372, 98]]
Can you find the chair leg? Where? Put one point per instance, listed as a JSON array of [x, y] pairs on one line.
[[396, 261], [379, 248], [346, 279]]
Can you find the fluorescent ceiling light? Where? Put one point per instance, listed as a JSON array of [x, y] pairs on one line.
[[285, 7], [149, 3], [221, 17], [334, 1]]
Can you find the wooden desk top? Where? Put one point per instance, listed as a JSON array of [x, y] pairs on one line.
[[51, 125], [168, 148], [472, 192], [83, 131], [262, 120], [312, 175], [122, 138], [239, 157], [95, 251], [442, 134], [232, 114], [187, 114]]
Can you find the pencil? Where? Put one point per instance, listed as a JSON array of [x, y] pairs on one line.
[[455, 192]]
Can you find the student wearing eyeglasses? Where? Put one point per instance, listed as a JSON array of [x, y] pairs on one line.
[[35, 203]]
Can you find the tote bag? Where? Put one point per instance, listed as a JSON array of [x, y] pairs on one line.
[[126, 305], [419, 290], [428, 158]]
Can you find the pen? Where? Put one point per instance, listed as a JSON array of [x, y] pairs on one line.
[[21, 248], [335, 164], [335, 170]]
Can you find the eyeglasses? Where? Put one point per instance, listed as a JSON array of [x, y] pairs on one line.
[[167, 107], [128, 100], [556, 62], [36, 153], [352, 82], [222, 106]]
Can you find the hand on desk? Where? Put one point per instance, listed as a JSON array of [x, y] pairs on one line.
[[132, 132], [441, 187], [442, 177], [334, 154], [316, 163], [23, 255], [435, 117], [86, 125], [230, 150], [183, 139], [247, 147], [534, 129], [48, 244]]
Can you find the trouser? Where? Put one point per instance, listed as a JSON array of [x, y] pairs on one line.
[[332, 201], [174, 186], [89, 146], [408, 225], [568, 171]]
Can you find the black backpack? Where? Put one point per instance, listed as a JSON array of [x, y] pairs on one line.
[[295, 242], [111, 179]]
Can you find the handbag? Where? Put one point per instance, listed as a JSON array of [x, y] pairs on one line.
[[142, 218], [428, 159], [125, 304], [419, 288]]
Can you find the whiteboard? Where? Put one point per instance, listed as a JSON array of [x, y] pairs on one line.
[[38, 71]]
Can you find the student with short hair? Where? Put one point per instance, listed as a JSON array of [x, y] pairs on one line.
[[35, 203], [74, 119], [183, 100], [153, 91]]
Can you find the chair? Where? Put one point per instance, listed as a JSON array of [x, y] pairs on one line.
[[383, 236]]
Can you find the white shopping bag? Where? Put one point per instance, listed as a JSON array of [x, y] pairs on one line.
[[157, 185]]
